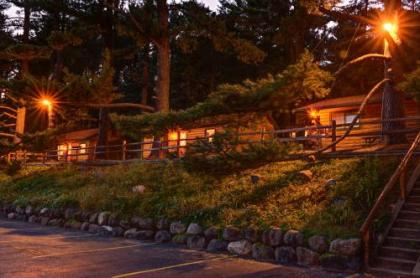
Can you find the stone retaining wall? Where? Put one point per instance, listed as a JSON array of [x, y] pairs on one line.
[[274, 244]]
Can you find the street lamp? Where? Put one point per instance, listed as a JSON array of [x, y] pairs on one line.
[[47, 103]]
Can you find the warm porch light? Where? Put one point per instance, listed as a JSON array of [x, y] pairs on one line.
[[313, 114], [392, 29]]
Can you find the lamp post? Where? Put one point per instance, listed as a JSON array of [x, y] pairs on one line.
[[49, 105]]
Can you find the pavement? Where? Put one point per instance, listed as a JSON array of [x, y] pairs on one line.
[[31, 250]]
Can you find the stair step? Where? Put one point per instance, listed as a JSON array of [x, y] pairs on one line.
[[384, 272], [395, 263], [407, 223], [409, 214], [412, 206], [405, 232], [400, 253], [402, 242]]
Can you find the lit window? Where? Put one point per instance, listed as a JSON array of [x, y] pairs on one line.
[[183, 138], [209, 133], [344, 118]]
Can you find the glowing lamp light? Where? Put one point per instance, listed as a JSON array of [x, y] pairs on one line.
[[313, 114], [389, 27], [46, 102]]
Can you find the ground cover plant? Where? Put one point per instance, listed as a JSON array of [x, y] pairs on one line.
[[334, 202]]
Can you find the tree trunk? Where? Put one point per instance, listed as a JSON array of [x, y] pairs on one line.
[[392, 99], [145, 77], [25, 35], [163, 58]]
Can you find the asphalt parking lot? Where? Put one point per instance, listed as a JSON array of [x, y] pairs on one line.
[[29, 250]]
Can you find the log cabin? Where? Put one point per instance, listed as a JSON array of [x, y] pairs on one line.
[[343, 110]]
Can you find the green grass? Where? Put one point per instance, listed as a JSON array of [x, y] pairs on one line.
[[281, 198]]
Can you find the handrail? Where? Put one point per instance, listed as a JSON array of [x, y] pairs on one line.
[[399, 172]]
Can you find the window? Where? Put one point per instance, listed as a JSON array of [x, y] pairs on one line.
[[344, 118], [209, 133]]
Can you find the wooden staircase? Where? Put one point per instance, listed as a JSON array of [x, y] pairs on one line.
[[400, 251], [397, 253]]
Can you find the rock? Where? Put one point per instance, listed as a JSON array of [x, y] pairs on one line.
[[29, 210], [117, 232], [349, 247], [329, 184], [332, 261], [162, 224], [293, 238], [272, 237], [194, 229], [44, 211], [114, 220], [45, 220], [139, 189], [318, 244], [180, 239], [162, 236], [250, 234], [241, 247], [177, 228], [21, 217], [217, 245], [70, 213], [211, 233], [93, 218], [93, 228], [255, 179], [144, 234], [142, 223], [85, 226], [285, 255], [56, 222], [125, 224], [196, 242], [105, 231], [262, 252], [11, 215], [307, 257], [130, 233], [84, 216], [19, 210], [103, 218], [75, 225], [32, 219], [231, 234], [307, 175]]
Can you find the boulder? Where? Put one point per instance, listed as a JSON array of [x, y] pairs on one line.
[[29, 210], [217, 245], [196, 242], [11, 215], [194, 229], [45, 220], [44, 212], [103, 218], [84, 216], [231, 233], [56, 222], [211, 233], [272, 237], [75, 225], [144, 234], [105, 230], [142, 223], [162, 224], [306, 175], [21, 217], [293, 238], [240, 247], [20, 210], [130, 233], [32, 219], [162, 236], [180, 239], [117, 232], [285, 255], [70, 213], [93, 218], [114, 220], [345, 247], [250, 234], [307, 257], [318, 244], [262, 252], [332, 261], [125, 224], [177, 228], [94, 228], [85, 226]]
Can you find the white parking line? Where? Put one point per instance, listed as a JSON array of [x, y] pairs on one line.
[[92, 251], [170, 267]]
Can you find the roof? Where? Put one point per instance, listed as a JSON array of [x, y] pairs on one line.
[[339, 102], [79, 135]]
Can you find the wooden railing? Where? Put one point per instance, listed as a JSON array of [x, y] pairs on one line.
[[405, 187], [313, 138]]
